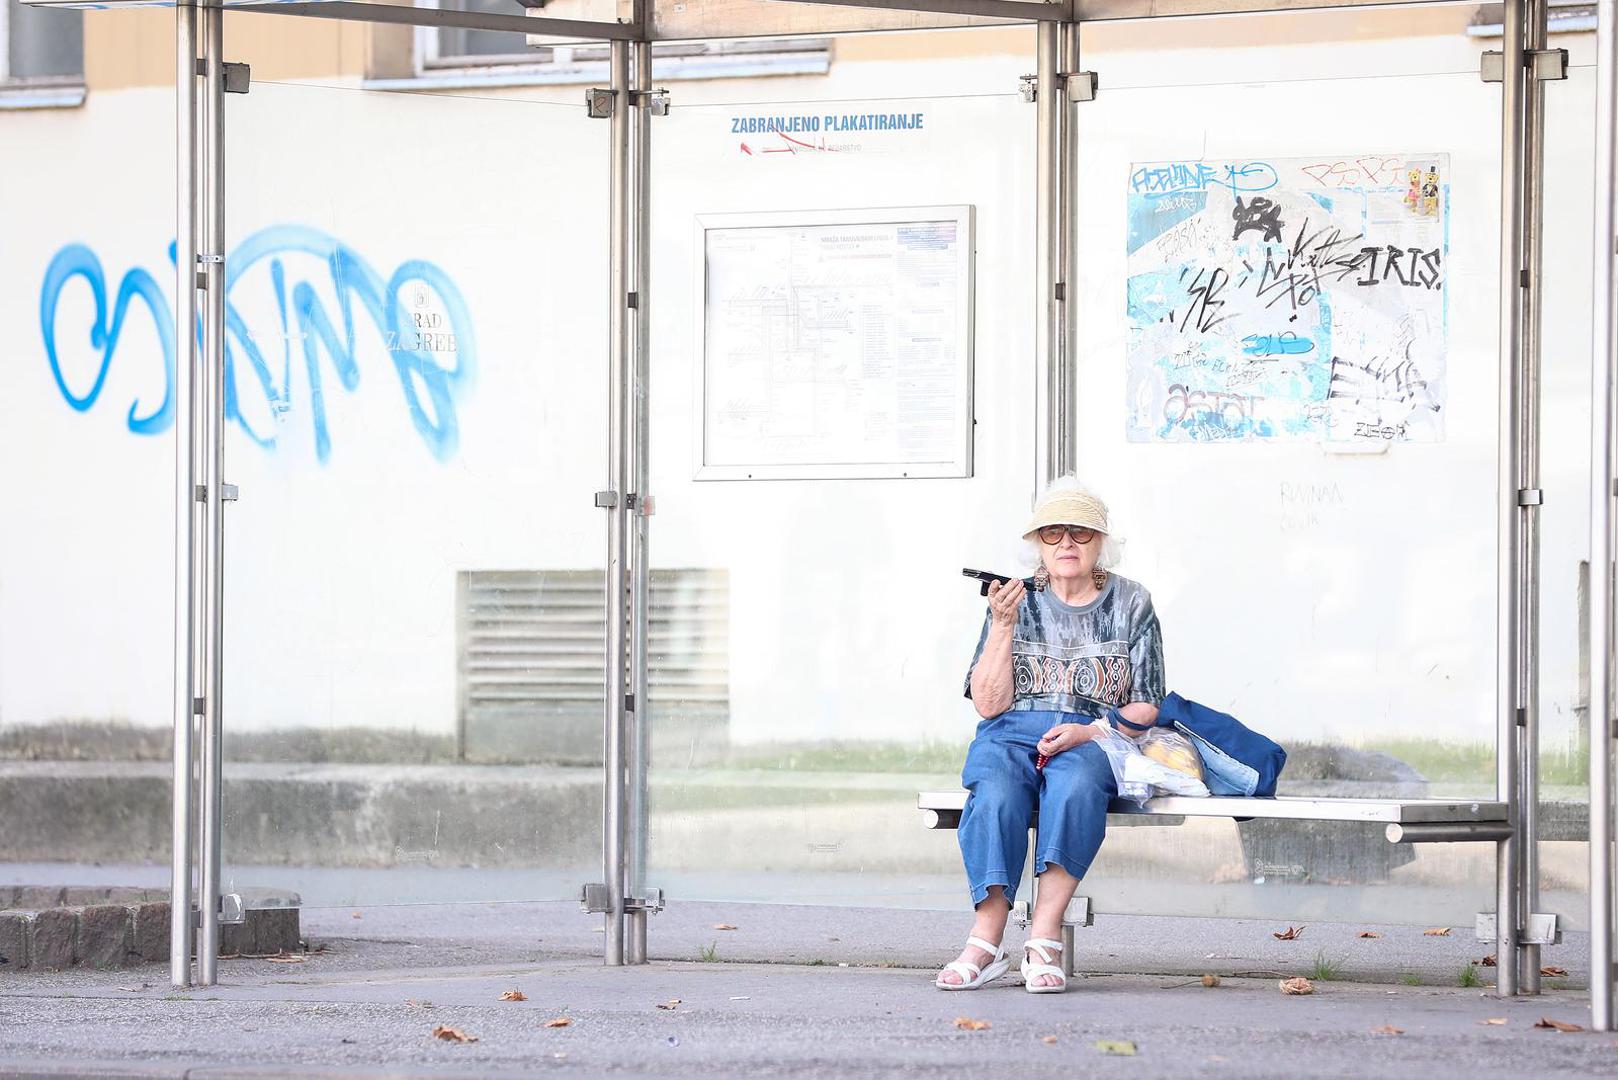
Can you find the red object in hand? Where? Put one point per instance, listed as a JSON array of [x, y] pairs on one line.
[[1041, 762]]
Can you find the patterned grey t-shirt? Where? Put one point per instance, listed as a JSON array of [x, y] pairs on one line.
[[1086, 659]]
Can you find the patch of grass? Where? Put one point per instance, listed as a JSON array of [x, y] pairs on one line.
[[817, 963], [1410, 978], [1469, 977], [886, 757], [1473, 762], [710, 953], [1325, 968]]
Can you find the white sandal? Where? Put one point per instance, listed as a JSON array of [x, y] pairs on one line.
[[973, 976], [1043, 947]]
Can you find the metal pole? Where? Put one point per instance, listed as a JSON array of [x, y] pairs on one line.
[[185, 499], [1051, 115], [212, 379], [640, 732], [1603, 356], [1067, 259], [612, 849], [1508, 482], [1533, 204]]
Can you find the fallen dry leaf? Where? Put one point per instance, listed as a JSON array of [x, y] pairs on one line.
[[1291, 933], [1116, 1047], [449, 1034], [1387, 1029], [286, 958], [1299, 985], [1487, 961], [1553, 972], [723, 926], [513, 995], [669, 1004], [1369, 933], [357, 915], [1493, 1021], [1048, 1040], [1558, 1025], [560, 1021], [1436, 931], [968, 1024], [1210, 980]]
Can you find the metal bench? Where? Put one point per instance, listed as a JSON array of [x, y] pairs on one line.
[[1408, 821]]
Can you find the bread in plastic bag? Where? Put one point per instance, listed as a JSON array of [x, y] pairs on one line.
[[1139, 777], [1169, 747]]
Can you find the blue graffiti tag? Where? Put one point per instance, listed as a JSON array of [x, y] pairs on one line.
[[76, 260], [413, 340], [1286, 343], [1157, 181]]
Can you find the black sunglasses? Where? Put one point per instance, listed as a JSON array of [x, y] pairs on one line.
[[1052, 534]]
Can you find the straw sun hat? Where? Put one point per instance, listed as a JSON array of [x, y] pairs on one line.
[[1068, 507]]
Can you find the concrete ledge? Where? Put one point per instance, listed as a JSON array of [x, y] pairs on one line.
[[120, 935], [52, 937], [13, 941]]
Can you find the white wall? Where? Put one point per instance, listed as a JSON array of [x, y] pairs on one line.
[[1362, 606]]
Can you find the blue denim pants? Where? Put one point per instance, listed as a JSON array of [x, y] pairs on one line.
[[1071, 794]]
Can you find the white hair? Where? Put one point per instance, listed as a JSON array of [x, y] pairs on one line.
[[1112, 548]]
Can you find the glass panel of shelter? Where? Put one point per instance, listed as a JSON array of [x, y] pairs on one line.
[[414, 632]]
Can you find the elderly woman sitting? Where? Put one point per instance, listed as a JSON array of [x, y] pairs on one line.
[[1050, 664]]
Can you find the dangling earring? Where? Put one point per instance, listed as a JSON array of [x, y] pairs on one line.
[[1099, 576], [1042, 578]]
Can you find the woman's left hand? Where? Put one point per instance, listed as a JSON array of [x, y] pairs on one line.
[[1064, 737]]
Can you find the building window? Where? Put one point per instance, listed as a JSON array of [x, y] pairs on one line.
[[41, 56], [455, 56]]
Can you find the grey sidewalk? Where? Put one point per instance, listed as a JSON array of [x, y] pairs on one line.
[[368, 1003]]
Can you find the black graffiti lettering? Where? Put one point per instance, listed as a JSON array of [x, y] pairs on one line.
[[1378, 431], [1205, 302], [1261, 214], [1394, 255], [1424, 270], [1367, 258], [1379, 383], [1429, 275]]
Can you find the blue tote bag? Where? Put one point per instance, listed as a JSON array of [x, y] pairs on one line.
[[1237, 759]]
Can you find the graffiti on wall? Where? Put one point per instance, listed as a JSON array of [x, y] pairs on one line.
[[417, 316], [1288, 299]]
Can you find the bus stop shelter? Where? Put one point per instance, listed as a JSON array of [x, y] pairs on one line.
[[630, 105]]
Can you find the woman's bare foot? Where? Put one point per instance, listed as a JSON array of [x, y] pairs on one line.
[[990, 925]]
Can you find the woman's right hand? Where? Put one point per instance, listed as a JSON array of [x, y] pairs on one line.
[[1004, 601]]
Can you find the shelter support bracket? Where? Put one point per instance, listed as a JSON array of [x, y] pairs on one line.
[[1536, 929], [238, 77], [1078, 85], [1544, 65], [596, 899]]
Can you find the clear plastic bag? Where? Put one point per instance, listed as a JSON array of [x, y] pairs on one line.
[[1169, 747], [1163, 779], [1120, 751], [1139, 775]]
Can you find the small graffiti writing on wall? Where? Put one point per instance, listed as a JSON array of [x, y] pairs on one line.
[[418, 315]]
